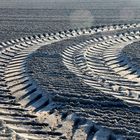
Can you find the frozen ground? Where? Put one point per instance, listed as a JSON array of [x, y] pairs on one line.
[[69, 85]]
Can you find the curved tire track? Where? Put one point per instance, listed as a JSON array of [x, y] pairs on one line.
[[17, 83], [103, 67]]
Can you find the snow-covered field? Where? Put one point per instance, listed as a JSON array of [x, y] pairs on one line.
[[69, 70]]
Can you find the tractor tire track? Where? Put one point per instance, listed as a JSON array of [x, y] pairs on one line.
[[19, 91]]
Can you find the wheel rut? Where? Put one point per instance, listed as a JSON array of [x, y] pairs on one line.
[[27, 112]]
